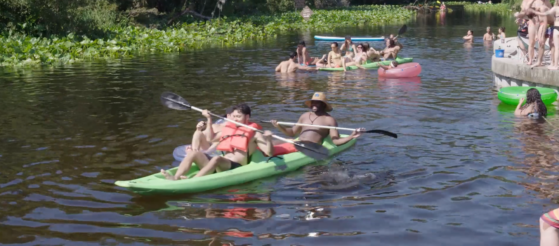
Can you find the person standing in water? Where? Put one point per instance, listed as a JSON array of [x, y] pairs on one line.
[[469, 36], [534, 107], [488, 36]]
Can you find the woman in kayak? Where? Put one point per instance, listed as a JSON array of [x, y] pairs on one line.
[[534, 107], [335, 56], [359, 57]]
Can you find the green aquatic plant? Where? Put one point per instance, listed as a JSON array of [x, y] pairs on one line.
[[20, 49]]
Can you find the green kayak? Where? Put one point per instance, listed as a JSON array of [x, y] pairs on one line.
[[259, 167], [512, 94], [371, 65]]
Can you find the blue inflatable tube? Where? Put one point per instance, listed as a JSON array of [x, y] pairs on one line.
[[329, 38]]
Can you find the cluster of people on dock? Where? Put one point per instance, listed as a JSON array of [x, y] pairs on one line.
[[538, 20], [353, 55], [223, 146]]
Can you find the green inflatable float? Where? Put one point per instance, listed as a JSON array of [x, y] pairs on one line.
[[511, 95]]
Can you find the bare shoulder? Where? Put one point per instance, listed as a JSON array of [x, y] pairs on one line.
[[330, 120]]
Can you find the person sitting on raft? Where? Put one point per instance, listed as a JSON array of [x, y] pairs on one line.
[[304, 58], [334, 56], [237, 142], [390, 52], [348, 47], [396, 41], [290, 66], [534, 107], [318, 115], [359, 57], [393, 64]]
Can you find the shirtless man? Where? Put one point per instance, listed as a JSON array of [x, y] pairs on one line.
[[237, 148], [317, 116], [290, 66], [488, 36], [554, 13], [303, 56]]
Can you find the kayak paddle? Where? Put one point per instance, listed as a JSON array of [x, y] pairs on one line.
[[310, 149], [402, 30], [387, 133]]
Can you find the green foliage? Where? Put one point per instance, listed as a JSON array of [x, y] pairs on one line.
[[21, 49]]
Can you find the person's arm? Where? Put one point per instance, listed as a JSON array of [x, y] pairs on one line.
[[329, 60], [306, 68], [264, 142], [518, 110], [291, 132], [383, 66], [278, 68], [304, 51], [209, 132], [335, 136]]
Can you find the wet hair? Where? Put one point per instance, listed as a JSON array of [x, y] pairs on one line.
[[471, 32], [534, 96], [366, 47], [391, 43], [335, 43], [242, 107], [302, 42], [502, 29], [228, 110], [293, 54]]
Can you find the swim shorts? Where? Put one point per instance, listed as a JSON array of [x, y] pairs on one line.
[[552, 218]]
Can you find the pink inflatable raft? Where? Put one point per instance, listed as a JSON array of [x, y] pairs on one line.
[[405, 70]]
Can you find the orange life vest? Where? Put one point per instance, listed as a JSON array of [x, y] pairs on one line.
[[236, 137]]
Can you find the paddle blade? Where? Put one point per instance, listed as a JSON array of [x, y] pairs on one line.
[[312, 150], [387, 133], [403, 29], [174, 101]]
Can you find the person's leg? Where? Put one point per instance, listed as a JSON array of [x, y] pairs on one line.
[[541, 44], [199, 141], [532, 31], [217, 161], [555, 50], [193, 156], [549, 235]]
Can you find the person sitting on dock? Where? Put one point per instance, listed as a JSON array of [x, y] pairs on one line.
[[534, 107], [318, 115], [290, 66], [303, 56], [237, 143]]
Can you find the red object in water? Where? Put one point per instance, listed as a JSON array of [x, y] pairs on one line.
[[405, 70]]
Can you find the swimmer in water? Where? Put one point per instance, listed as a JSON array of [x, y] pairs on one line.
[[290, 66], [469, 36], [488, 36], [534, 107]]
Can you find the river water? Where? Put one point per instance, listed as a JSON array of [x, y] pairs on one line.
[[463, 170]]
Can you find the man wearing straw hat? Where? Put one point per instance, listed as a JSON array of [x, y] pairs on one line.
[[319, 116]]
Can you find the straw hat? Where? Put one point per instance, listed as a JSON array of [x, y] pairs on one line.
[[319, 96]]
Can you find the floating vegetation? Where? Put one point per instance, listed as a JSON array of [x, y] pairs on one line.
[[469, 6], [19, 49]]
